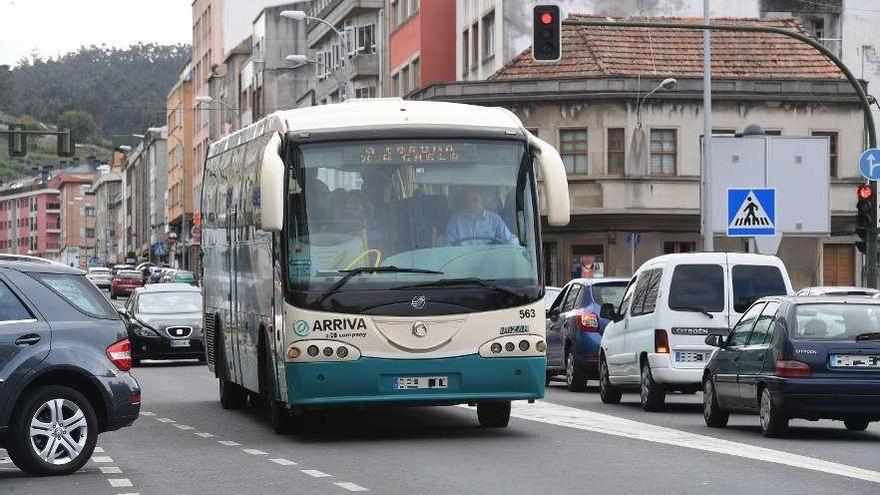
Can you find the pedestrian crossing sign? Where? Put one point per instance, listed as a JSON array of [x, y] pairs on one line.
[[751, 212]]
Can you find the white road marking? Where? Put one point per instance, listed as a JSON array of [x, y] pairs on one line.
[[254, 452], [555, 414], [99, 450], [228, 443], [165, 420], [351, 487], [147, 413], [110, 470], [135, 493], [283, 462], [315, 473], [184, 427], [101, 458], [203, 435], [120, 482]]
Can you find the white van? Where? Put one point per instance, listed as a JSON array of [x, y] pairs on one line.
[[656, 338]]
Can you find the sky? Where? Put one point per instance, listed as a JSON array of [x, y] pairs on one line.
[[55, 27]]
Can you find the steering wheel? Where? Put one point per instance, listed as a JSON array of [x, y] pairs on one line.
[[492, 240], [363, 255]]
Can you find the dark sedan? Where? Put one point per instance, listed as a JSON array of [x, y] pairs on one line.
[[165, 322], [64, 362], [798, 357]]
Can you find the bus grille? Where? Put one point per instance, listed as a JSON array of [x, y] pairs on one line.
[[209, 337]]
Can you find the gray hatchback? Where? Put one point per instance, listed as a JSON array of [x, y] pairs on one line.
[[64, 361]]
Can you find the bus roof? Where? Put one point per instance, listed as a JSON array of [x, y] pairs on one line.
[[372, 112]]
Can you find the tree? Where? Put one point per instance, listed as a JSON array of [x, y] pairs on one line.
[[29, 122], [5, 87], [81, 124]]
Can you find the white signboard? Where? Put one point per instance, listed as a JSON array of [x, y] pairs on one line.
[[797, 168]]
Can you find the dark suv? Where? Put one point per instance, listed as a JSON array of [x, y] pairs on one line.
[[64, 361]]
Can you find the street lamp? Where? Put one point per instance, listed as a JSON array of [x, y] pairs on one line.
[[664, 85], [299, 15]]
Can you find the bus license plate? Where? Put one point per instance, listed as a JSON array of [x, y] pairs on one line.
[[420, 382], [180, 343]]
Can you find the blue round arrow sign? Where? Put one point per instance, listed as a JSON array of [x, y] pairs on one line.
[[869, 164]]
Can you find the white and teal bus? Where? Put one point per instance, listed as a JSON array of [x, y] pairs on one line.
[[378, 252]]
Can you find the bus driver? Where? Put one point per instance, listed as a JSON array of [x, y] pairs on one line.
[[475, 225]]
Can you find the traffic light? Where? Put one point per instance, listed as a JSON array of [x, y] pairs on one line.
[[546, 33], [17, 140], [65, 145], [864, 208]]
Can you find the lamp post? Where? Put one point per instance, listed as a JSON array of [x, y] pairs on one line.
[[347, 90], [664, 85]]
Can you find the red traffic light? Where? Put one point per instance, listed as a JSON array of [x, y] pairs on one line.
[[546, 18], [864, 191]]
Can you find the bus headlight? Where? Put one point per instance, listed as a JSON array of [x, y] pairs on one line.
[[520, 345], [322, 351]]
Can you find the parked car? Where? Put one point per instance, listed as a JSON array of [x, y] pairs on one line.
[[125, 282], [100, 276], [155, 275], [165, 277], [656, 341], [64, 367], [164, 321], [184, 277], [837, 291], [574, 329], [797, 357]]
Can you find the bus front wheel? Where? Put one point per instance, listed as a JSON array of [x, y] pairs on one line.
[[493, 414]]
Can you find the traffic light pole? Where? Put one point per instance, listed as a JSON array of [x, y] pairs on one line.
[[871, 240]]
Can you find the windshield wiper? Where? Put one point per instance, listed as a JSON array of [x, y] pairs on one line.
[[350, 274], [868, 336], [445, 282], [694, 309]]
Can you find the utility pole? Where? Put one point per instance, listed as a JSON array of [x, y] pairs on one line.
[[708, 235]]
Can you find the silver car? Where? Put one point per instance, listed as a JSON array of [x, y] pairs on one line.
[[99, 276]]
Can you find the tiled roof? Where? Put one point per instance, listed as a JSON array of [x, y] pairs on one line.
[[602, 51]]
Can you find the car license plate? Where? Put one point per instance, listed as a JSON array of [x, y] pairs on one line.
[[689, 357], [180, 343], [420, 382], [855, 361]]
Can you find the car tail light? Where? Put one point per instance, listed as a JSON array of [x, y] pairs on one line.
[[120, 354], [134, 398], [788, 368], [588, 322], [661, 342]]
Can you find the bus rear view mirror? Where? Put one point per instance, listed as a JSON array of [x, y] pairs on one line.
[[272, 187], [555, 182]]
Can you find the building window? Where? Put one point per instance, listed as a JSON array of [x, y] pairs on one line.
[[366, 39], [587, 261], [832, 149], [395, 84], [90, 233], [679, 247], [724, 132], [404, 81], [573, 148], [489, 36], [818, 28], [616, 150], [773, 132], [465, 51], [365, 92], [475, 45], [663, 151], [415, 74], [90, 211]]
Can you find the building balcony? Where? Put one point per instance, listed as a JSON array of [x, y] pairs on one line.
[[334, 12]]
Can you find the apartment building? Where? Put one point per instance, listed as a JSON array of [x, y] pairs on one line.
[[78, 215], [360, 62], [421, 33], [30, 218], [107, 190], [587, 105], [179, 204]]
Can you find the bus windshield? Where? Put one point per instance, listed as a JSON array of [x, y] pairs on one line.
[[440, 215]]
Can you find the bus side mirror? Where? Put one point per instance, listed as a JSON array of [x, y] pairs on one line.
[[555, 181], [271, 194]]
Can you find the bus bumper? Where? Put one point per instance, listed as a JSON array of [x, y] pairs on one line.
[[372, 380]]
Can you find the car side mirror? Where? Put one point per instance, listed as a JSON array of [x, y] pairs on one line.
[[122, 311], [714, 340], [553, 314], [609, 312]]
